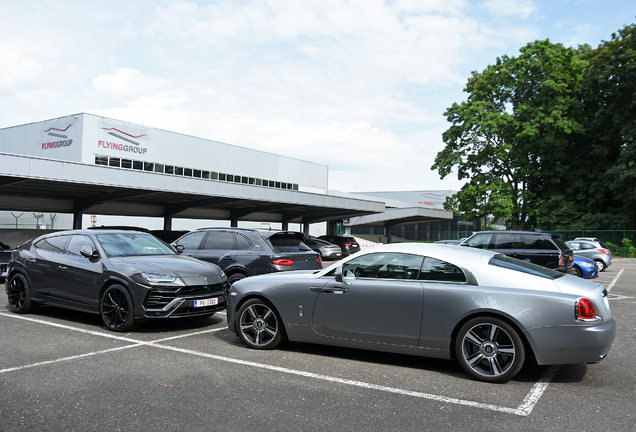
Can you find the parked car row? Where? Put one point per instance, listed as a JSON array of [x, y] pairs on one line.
[[488, 308]]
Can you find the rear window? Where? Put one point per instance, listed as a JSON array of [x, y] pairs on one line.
[[538, 242], [510, 263], [288, 243]]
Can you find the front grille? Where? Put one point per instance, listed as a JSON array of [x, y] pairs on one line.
[[158, 298], [3, 268]]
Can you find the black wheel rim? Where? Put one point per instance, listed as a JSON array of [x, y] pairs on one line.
[[115, 308], [17, 293], [488, 350], [259, 325]]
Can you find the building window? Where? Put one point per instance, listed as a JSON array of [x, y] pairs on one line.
[[196, 173], [138, 165], [114, 162], [222, 176], [158, 168], [214, 175], [169, 169], [205, 174], [126, 163], [149, 166], [101, 160], [187, 172], [178, 171]]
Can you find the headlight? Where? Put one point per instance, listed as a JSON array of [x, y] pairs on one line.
[[158, 278], [587, 264]]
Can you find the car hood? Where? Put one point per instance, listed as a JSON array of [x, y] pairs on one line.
[[190, 270]]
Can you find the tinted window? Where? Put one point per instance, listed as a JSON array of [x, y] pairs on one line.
[[537, 242], [243, 243], [219, 240], [436, 270], [480, 241], [574, 246], [288, 243], [524, 267], [508, 241], [76, 243], [54, 244], [388, 265], [191, 241]]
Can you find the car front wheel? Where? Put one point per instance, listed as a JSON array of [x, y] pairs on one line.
[[19, 294], [259, 325], [490, 349], [116, 309]]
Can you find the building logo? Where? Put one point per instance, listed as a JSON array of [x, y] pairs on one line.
[[131, 137], [57, 132], [433, 200]]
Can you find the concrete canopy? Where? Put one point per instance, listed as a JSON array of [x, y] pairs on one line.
[[36, 184]]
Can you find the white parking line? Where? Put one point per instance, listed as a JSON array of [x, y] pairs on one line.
[[524, 409], [611, 285]]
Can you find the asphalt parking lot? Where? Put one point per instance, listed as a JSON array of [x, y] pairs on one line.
[[63, 371]]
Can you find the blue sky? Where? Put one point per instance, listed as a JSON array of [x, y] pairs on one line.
[[358, 85]]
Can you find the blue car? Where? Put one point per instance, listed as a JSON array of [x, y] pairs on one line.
[[585, 268]]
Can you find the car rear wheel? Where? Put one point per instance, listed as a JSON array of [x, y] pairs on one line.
[[600, 264], [116, 309], [19, 294], [489, 349], [259, 325]]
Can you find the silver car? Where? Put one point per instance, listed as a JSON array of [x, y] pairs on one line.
[[487, 310], [592, 249], [327, 251]]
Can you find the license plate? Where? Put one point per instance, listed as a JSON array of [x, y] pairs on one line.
[[206, 302]]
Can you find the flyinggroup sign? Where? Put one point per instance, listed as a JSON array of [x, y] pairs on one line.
[[123, 138]]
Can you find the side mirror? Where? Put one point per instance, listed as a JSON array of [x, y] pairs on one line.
[[89, 252], [179, 248], [338, 274]]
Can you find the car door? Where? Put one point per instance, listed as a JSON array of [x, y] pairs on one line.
[[380, 300], [78, 275], [43, 262], [509, 244], [219, 247]]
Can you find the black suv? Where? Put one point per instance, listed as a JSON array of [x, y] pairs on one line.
[[545, 249], [242, 252], [347, 244]]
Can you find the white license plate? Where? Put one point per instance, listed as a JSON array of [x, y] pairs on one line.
[[206, 302]]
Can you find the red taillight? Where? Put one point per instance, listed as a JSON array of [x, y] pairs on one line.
[[347, 244], [605, 251], [283, 262], [585, 309], [319, 260], [561, 260]]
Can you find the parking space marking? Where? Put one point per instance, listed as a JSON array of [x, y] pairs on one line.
[[524, 409], [611, 285]]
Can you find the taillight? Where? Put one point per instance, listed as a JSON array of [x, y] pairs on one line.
[[346, 244], [283, 262], [605, 251], [319, 260], [561, 260], [585, 309]]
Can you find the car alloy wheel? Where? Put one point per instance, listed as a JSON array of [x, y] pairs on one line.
[[235, 277], [490, 349], [259, 325], [19, 294], [116, 309], [600, 264]]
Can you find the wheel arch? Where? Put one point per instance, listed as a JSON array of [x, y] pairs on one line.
[[504, 317]]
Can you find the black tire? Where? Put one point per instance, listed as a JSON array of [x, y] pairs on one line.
[[235, 277], [19, 294], [259, 325], [490, 349], [117, 309], [578, 272], [600, 264]]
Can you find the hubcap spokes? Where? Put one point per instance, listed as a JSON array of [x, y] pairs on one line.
[[115, 309], [17, 293], [258, 324], [488, 349]]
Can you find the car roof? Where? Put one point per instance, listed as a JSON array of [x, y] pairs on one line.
[[447, 252]]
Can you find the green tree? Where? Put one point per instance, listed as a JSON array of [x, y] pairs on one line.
[[514, 132]]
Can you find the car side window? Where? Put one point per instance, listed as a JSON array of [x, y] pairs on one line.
[[435, 270], [574, 246], [508, 241], [191, 241], [76, 243], [480, 241], [387, 265], [537, 242], [588, 246], [220, 240], [53, 244], [243, 243]]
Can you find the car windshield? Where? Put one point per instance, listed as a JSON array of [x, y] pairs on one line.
[[132, 244], [510, 263]]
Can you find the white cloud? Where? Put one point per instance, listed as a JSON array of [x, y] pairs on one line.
[[520, 8]]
